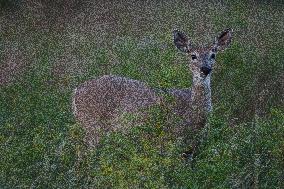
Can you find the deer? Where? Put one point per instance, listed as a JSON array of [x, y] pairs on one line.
[[98, 104]]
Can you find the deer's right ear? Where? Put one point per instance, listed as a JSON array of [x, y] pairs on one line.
[[181, 41], [224, 39]]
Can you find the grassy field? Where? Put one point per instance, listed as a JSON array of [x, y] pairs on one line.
[[48, 48]]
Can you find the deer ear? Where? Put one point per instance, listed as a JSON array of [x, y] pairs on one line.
[[181, 41], [223, 40]]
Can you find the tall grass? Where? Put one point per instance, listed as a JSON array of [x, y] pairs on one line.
[[241, 146]]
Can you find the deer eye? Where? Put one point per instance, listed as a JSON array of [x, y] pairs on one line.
[[212, 56], [193, 57]]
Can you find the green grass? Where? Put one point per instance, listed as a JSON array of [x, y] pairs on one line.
[[242, 146]]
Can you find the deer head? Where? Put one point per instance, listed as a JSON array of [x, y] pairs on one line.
[[202, 59]]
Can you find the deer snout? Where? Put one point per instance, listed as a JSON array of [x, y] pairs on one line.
[[205, 70]]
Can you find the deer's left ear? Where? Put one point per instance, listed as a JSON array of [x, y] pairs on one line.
[[223, 40], [181, 41]]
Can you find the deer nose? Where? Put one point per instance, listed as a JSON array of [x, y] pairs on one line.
[[205, 70]]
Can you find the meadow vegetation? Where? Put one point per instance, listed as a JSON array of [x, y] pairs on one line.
[[46, 53]]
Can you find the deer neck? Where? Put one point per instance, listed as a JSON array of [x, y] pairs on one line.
[[201, 100]]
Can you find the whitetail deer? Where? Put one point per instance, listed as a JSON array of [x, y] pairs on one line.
[[98, 104]]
